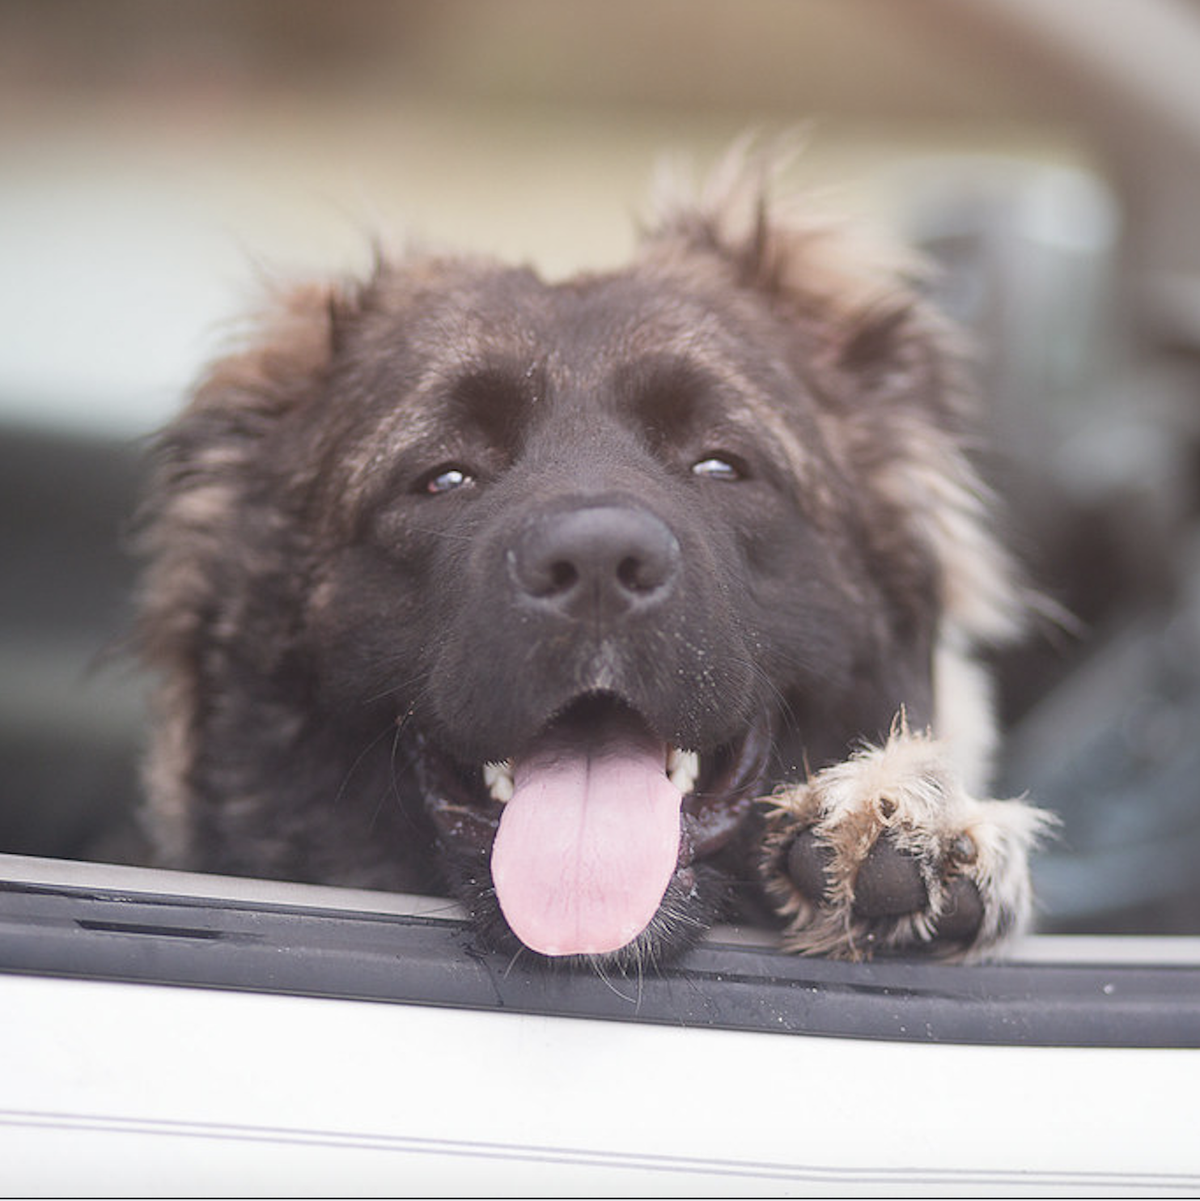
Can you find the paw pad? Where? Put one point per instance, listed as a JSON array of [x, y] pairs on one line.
[[889, 883], [886, 853], [808, 862]]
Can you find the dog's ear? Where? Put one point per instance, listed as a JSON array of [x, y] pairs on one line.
[[284, 352], [213, 448], [891, 376], [208, 527], [218, 453], [857, 297]]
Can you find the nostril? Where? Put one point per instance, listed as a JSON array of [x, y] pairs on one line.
[[632, 575], [563, 576]]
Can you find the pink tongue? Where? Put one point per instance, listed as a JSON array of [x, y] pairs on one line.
[[587, 844]]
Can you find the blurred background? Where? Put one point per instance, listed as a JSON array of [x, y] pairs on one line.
[[157, 160]]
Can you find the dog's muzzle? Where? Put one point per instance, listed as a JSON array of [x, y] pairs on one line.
[[612, 754]]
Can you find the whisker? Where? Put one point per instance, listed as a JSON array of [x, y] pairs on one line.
[[512, 963], [398, 686], [445, 535], [339, 796], [598, 968]]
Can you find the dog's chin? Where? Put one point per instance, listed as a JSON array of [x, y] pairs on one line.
[[594, 841]]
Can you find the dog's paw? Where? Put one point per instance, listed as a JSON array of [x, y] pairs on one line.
[[886, 852]]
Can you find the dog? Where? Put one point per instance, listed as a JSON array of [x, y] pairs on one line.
[[610, 607]]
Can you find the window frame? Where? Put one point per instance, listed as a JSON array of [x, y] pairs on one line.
[[138, 925]]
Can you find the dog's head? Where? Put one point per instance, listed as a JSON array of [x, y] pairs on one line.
[[591, 565]]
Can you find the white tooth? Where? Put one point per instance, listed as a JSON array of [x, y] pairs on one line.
[[498, 778], [683, 767]]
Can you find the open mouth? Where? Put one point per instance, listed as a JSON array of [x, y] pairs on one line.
[[591, 822]]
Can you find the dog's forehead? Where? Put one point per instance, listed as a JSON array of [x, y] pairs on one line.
[[576, 349], [576, 336]]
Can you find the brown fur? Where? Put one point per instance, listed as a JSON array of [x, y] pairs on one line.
[[289, 561]]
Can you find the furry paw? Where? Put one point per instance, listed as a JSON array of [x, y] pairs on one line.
[[886, 852]]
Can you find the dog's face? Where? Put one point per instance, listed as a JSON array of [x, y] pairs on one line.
[[588, 566]]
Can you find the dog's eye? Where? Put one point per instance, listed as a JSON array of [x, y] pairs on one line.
[[446, 478], [721, 467]]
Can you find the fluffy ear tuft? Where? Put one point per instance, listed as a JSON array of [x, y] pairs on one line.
[[212, 453], [877, 336], [827, 270], [294, 338], [856, 295]]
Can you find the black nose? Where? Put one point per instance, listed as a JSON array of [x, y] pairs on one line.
[[595, 561]]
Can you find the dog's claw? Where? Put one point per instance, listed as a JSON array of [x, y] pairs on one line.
[[963, 850]]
